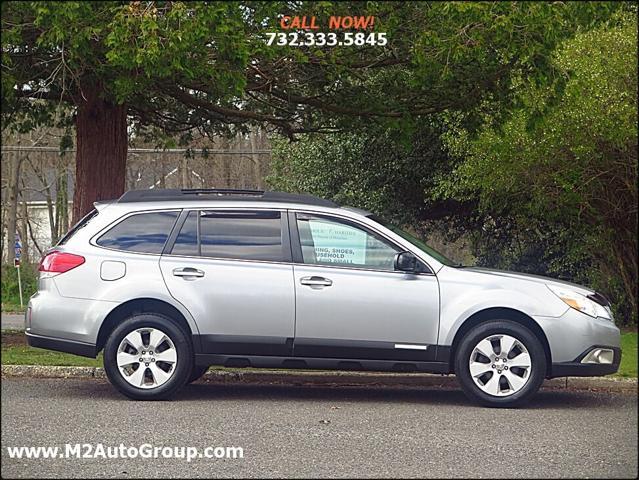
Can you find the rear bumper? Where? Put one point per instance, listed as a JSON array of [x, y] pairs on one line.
[[578, 369], [77, 320], [62, 345]]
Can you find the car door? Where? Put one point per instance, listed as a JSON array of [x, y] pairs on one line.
[[231, 269], [350, 302]]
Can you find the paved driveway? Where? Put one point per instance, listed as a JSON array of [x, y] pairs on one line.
[[321, 432]]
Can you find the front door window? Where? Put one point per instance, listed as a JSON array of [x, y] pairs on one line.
[[329, 241]]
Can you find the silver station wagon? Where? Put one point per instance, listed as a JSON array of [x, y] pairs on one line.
[[169, 282]]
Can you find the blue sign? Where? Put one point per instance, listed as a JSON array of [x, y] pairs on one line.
[[18, 247]]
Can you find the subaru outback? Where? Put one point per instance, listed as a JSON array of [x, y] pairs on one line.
[[169, 282]]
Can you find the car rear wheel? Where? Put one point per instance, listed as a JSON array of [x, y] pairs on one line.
[[500, 364], [148, 357]]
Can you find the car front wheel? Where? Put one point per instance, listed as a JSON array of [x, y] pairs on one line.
[[500, 364], [148, 357]]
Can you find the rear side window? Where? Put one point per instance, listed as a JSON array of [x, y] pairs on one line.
[[141, 233], [237, 235], [81, 224]]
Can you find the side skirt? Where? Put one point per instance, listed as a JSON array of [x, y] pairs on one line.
[[258, 361]]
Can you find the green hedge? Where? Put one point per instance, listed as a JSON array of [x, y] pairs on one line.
[[10, 290]]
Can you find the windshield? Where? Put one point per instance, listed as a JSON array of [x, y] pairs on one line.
[[417, 242]]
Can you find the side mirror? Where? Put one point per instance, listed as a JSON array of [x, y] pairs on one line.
[[406, 262]]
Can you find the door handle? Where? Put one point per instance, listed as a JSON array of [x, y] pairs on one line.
[[316, 281], [187, 272]]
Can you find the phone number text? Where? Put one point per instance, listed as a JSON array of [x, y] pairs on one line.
[[320, 39]]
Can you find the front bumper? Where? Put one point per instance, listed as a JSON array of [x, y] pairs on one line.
[[574, 334], [577, 368]]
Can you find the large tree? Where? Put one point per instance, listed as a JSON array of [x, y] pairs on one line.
[[173, 67]]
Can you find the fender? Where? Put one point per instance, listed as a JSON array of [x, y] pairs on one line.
[[455, 310], [156, 290]]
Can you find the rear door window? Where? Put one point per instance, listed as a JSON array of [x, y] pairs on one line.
[[140, 233], [186, 242], [240, 235]]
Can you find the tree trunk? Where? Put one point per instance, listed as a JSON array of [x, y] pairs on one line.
[[101, 149]]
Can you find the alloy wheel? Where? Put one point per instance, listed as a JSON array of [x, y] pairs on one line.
[[500, 365], [147, 358]]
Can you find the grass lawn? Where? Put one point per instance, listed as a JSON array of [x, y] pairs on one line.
[[628, 367], [15, 351], [14, 307], [25, 355]]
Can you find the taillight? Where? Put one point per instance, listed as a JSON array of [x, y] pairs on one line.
[[59, 262]]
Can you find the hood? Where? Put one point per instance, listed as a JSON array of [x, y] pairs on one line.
[[529, 277]]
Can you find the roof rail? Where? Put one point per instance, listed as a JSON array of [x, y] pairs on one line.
[[186, 194], [220, 191]]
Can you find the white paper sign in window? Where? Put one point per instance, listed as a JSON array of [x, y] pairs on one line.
[[335, 243]]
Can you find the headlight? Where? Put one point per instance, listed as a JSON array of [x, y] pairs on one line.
[[580, 302]]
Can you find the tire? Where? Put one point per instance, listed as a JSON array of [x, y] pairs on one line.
[[488, 379], [197, 373], [137, 371]]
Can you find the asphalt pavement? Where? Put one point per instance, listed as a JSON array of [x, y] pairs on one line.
[[10, 321], [321, 432]]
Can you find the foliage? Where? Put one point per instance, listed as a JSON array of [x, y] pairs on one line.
[[181, 65], [174, 68], [377, 170], [10, 290], [565, 164]]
